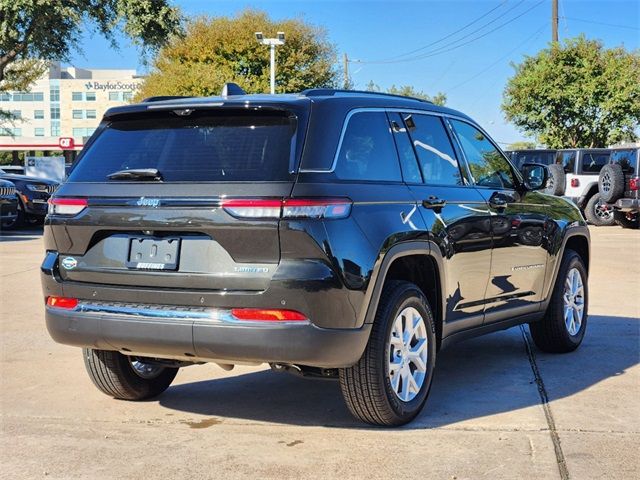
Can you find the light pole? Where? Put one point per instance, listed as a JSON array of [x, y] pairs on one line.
[[272, 42]]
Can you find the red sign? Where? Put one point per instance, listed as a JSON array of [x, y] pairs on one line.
[[66, 143]]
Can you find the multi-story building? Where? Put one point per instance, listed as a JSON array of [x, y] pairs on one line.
[[63, 108]]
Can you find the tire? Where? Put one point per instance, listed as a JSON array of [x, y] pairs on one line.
[[551, 333], [611, 182], [598, 212], [15, 223], [621, 219], [115, 375], [367, 386], [556, 181]]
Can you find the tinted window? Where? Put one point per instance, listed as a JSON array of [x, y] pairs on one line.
[[488, 166], [593, 162], [408, 162], [367, 151], [541, 158], [567, 160], [204, 146], [626, 159], [435, 154]]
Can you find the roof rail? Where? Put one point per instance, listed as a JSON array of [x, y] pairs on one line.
[[160, 98], [328, 92]]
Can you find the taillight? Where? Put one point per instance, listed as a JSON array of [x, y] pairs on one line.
[[575, 182], [65, 303], [634, 183], [66, 206], [265, 315], [288, 208]]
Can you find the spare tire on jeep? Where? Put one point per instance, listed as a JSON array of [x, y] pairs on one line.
[[611, 182], [556, 182]]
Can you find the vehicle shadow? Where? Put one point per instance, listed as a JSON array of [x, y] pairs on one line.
[[474, 379], [22, 234]]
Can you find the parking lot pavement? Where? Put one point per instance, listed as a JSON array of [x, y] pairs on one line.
[[498, 408]]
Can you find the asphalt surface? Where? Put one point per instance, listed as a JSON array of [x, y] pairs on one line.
[[498, 408]]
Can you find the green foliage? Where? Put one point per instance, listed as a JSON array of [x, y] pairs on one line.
[[409, 91], [223, 49], [521, 146], [51, 29], [576, 95]]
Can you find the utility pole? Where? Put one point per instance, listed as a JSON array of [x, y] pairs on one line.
[[554, 21], [346, 71]]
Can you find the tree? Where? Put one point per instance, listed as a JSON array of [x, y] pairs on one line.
[[223, 49], [409, 91], [521, 146], [32, 32], [576, 95]]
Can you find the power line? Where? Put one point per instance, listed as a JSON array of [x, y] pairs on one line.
[[450, 34], [489, 67], [631, 27], [445, 48]]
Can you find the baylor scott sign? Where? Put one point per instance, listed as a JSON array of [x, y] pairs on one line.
[[113, 85]]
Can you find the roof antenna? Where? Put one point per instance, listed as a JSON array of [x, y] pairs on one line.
[[229, 89]]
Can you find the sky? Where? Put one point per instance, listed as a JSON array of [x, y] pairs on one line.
[[461, 48]]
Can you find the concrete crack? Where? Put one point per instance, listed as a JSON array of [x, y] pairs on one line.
[[544, 399]]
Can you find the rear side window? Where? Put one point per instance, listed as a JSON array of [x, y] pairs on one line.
[[541, 158], [567, 160], [593, 162], [367, 151], [435, 153], [627, 159], [488, 166], [202, 147]]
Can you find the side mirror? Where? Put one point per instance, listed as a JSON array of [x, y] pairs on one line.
[[535, 176]]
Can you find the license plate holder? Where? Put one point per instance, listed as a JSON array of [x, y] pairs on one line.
[[154, 253]]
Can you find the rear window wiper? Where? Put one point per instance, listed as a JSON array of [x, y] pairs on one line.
[[137, 174]]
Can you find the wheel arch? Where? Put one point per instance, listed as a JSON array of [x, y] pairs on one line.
[[418, 262]]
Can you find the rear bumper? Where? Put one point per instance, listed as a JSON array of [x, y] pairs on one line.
[[627, 205], [192, 335]]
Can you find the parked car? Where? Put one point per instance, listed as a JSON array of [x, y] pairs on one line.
[[33, 194], [575, 176], [8, 204], [619, 183], [542, 156], [335, 234]]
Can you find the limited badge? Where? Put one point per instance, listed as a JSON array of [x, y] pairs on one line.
[[69, 263]]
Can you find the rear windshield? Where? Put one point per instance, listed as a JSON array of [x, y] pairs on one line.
[[202, 147], [627, 159]]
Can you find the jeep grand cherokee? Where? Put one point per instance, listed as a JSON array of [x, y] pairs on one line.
[[336, 234]]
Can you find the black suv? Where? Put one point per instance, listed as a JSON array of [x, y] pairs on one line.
[[334, 234], [33, 194], [619, 185]]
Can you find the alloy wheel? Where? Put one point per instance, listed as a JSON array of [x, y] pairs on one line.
[[573, 299], [407, 354]]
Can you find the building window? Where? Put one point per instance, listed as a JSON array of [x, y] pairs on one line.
[[38, 97], [38, 114], [91, 96], [77, 114], [55, 113], [5, 97], [76, 96], [55, 129], [22, 97], [10, 132], [54, 93], [114, 96], [39, 132], [91, 113], [127, 96], [16, 114]]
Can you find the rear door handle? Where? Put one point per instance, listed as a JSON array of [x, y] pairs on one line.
[[498, 202], [433, 202]]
